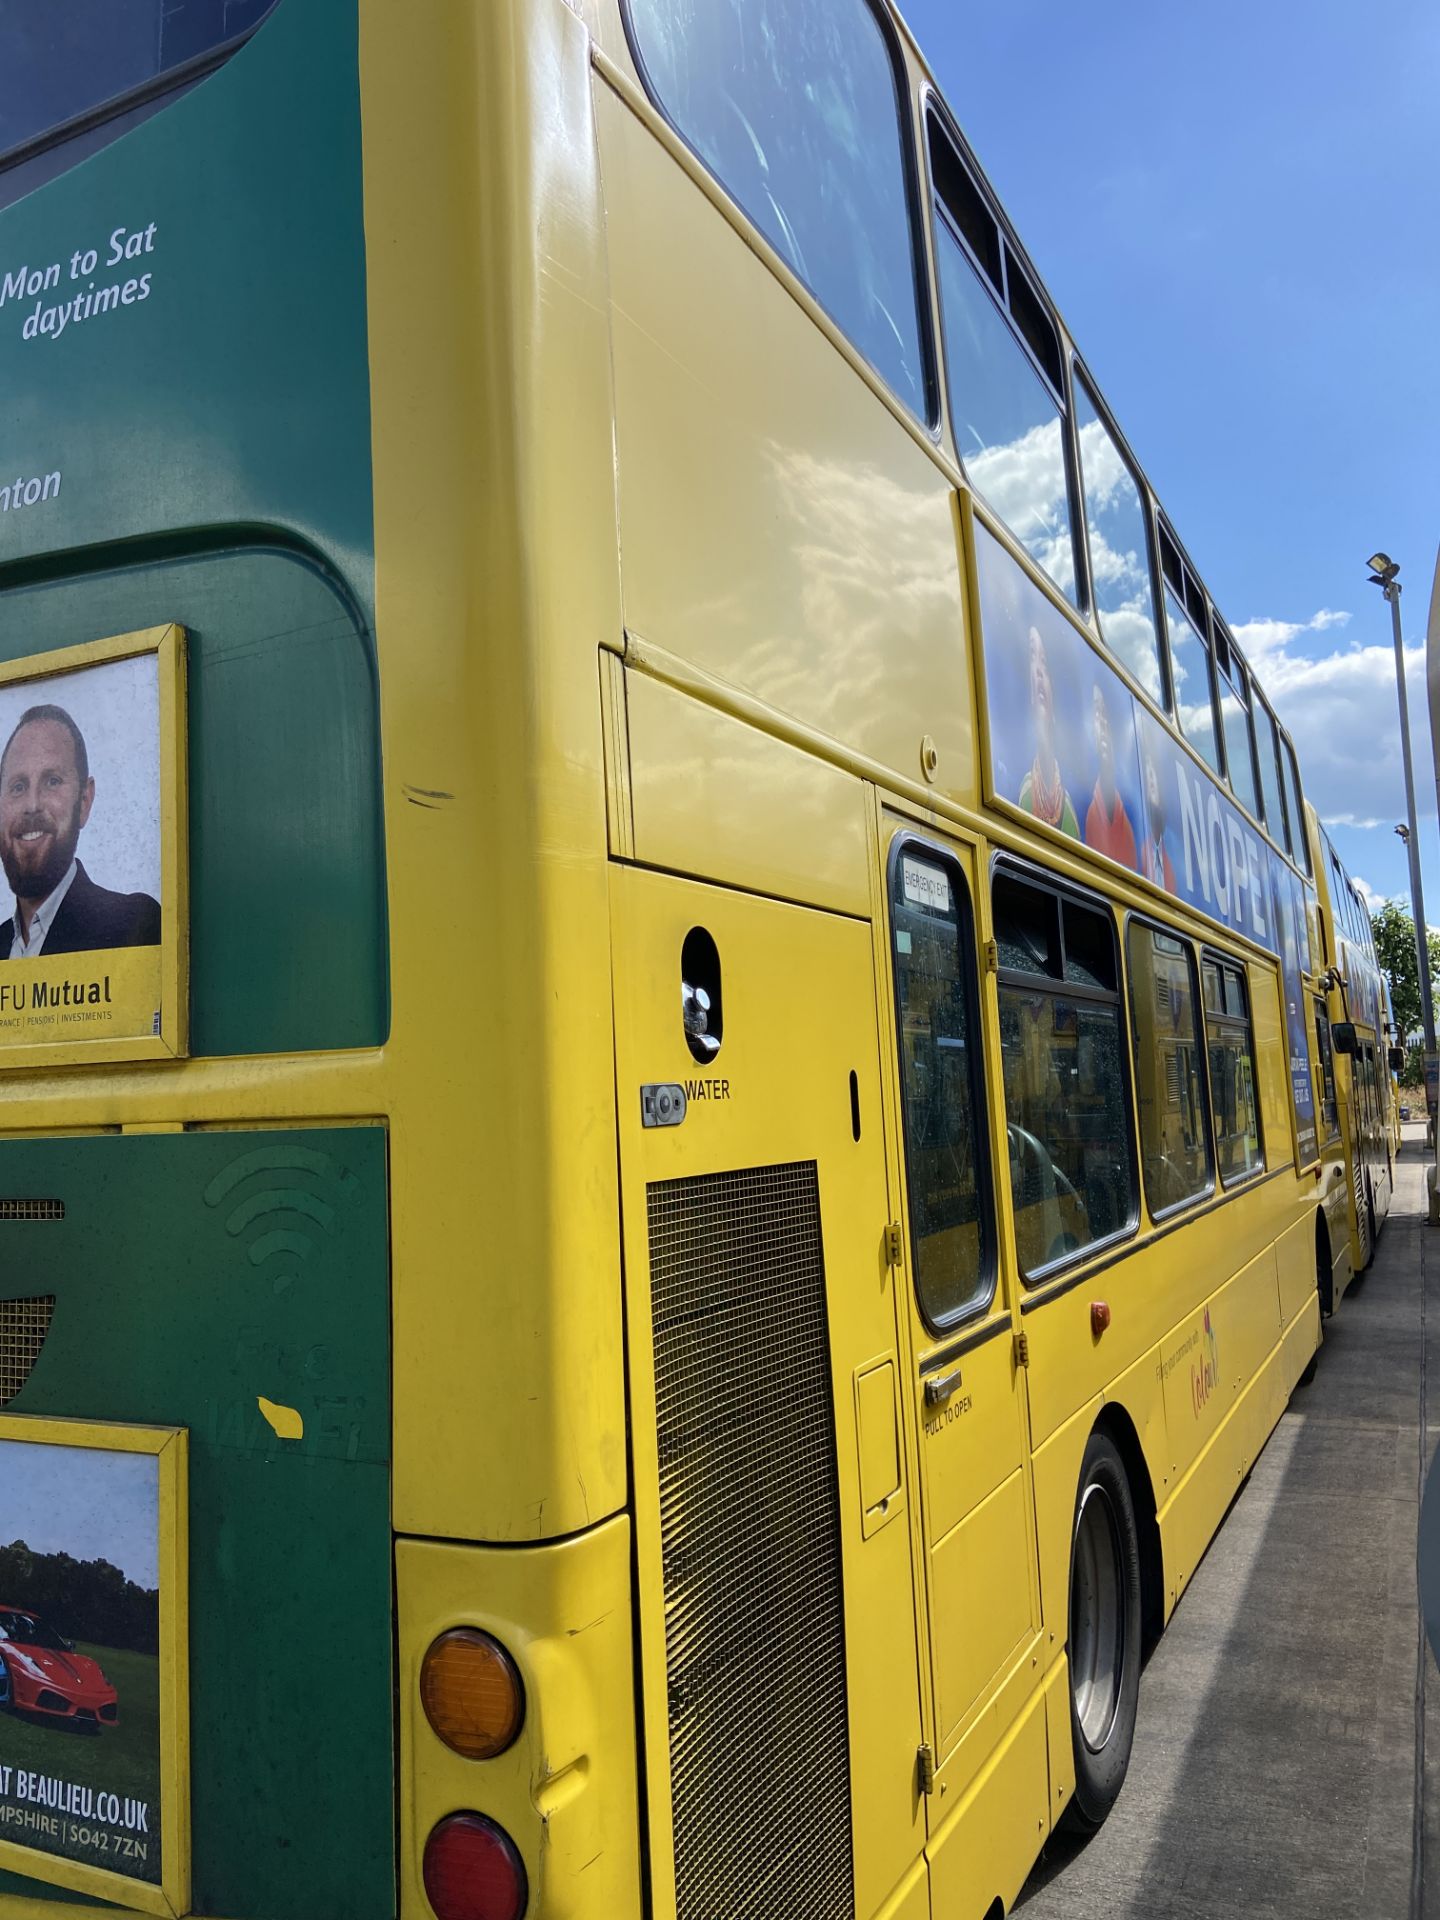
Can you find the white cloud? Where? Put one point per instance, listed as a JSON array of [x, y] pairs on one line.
[[1024, 480], [1262, 639], [1340, 709]]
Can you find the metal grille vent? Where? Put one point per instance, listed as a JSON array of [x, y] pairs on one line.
[[32, 1209], [1362, 1221], [750, 1532], [23, 1327]]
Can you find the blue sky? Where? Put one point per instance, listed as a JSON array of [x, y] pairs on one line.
[[78, 1500], [1198, 188]]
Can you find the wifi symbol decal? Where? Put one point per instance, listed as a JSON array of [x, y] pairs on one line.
[[278, 1215]]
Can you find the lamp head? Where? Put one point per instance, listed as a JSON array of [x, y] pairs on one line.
[[1382, 569]]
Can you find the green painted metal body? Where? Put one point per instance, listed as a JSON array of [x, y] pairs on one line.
[[213, 444], [171, 1310]]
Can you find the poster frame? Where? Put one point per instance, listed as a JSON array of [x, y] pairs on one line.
[[171, 1898], [167, 643]]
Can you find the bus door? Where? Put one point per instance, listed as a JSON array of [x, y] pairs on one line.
[[967, 1390], [1377, 1146], [777, 1599], [1352, 1116]]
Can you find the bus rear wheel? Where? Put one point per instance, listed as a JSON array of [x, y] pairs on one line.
[[1104, 1644]]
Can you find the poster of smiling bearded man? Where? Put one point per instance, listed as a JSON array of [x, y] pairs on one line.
[[83, 819]]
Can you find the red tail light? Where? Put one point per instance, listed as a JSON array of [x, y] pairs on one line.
[[473, 1870]]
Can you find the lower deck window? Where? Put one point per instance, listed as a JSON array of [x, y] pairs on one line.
[[1062, 1043], [1329, 1111], [939, 1080], [1231, 1049], [1169, 1077]]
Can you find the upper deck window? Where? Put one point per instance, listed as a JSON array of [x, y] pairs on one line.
[[1267, 740], [1116, 522], [1337, 891], [1190, 664], [81, 71], [1190, 670], [1002, 372], [1235, 717], [1301, 846], [794, 106]]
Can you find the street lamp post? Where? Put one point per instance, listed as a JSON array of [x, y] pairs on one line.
[[1383, 572]]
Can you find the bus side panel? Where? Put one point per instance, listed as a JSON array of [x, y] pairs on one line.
[[1295, 1265], [497, 583], [563, 1611], [800, 834], [1200, 1499], [1057, 1481], [286, 874], [1056, 1471], [988, 1845], [1209, 1357], [781, 530], [1272, 1066], [236, 1284], [1157, 1294]]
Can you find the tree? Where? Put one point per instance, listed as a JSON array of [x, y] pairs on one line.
[[1394, 932]]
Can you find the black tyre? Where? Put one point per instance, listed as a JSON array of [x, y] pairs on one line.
[[1325, 1290], [1104, 1642]]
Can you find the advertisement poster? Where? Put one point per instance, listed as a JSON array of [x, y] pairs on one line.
[[1288, 914], [1071, 745], [1062, 726], [80, 1713], [88, 829]]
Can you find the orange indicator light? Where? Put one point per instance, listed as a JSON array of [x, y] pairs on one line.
[[472, 1694]]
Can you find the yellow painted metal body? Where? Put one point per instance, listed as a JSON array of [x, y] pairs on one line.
[[567, 1790], [801, 1004], [762, 696], [673, 603], [1359, 1176]]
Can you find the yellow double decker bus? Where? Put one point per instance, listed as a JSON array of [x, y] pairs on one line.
[[669, 1168], [1353, 1034]]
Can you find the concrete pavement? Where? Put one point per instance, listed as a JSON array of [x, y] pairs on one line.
[[1292, 1705]]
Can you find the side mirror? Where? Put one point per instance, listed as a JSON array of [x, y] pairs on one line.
[[1397, 1059], [1342, 1037]]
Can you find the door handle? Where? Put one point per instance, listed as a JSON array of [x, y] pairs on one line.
[[940, 1386]]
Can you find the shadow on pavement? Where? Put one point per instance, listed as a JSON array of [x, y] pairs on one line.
[[1275, 1756]]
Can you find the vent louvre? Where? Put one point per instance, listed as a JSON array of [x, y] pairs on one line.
[[1362, 1221], [32, 1209], [23, 1327], [754, 1606]]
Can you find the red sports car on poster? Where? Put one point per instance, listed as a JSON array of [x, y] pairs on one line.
[[41, 1673]]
